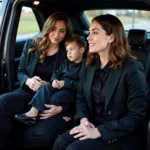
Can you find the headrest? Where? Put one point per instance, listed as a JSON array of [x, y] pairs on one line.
[[83, 33], [137, 37]]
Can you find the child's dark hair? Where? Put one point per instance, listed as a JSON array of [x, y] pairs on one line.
[[80, 40]]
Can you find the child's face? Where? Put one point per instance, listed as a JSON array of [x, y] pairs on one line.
[[74, 52]]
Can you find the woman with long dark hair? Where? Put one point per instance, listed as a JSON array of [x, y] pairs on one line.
[[39, 59]]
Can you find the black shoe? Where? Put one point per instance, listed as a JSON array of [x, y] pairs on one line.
[[29, 121]]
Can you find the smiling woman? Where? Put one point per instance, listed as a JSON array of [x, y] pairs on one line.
[[111, 104], [39, 59]]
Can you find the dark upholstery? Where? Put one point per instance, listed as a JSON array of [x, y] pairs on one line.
[[137, 39], [138, 44]]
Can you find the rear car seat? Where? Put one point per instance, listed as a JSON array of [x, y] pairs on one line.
[[138, 42], [137, 39]]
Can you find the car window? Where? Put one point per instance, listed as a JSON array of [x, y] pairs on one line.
[[28, 26], [131, 19], [1, 11]]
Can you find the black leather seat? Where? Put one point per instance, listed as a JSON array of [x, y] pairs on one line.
[[137, 39], [138, 43]]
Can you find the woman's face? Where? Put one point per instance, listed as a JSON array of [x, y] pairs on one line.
[[58, 32], [98, 40]]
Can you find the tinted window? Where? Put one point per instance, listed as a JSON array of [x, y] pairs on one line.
[[136, 19], [28, 26], [1, 11]]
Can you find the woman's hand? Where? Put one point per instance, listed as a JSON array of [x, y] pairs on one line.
[[85, 121], [52, 111], [34, 83], [86, 133], [83, 132]]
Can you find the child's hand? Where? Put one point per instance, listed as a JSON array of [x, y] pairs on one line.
[[61, 84], [55, 84]]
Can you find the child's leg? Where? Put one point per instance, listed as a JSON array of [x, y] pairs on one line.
[[33, 112], [41, 98], [63, 98]]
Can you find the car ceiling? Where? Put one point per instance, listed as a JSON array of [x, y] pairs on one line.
[[79, 5]]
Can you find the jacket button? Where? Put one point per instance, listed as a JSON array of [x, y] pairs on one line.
[[109, 112]]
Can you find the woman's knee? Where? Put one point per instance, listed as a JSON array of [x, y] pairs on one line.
[[77, 145], [35, 138], [8, 103], [59, 143], [3, 101], [63, 141], [73, 146]]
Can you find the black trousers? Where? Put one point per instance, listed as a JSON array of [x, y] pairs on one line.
[[44, 132], [67, 142], [10, 104], [49, 95], [41, 135]]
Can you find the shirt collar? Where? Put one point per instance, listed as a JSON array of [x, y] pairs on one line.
[[106, 67]]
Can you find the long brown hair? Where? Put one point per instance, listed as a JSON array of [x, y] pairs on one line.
[[42, 42], [119, 48]]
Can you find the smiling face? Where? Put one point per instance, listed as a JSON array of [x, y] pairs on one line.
[[74, 52], [98, 40], [58, 32]]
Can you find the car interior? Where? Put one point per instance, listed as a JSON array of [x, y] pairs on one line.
[[31, 15]]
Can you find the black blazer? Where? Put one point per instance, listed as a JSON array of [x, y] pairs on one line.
[[28, 62], [125, 103]]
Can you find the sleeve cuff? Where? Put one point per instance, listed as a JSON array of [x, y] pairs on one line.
[[22, 82], [106, 135]]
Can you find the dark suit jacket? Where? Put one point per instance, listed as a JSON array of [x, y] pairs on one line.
[[125, 103], [28, 62]]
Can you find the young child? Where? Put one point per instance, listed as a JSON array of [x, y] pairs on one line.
[[62, 91]]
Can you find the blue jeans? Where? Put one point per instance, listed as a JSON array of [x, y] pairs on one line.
[[48, 95]]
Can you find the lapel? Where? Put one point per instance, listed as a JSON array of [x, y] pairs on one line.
[[33, 61], [88, 84], [113, 80]]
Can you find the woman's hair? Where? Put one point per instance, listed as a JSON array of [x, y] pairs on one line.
[[42, 42], [119, 48]]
